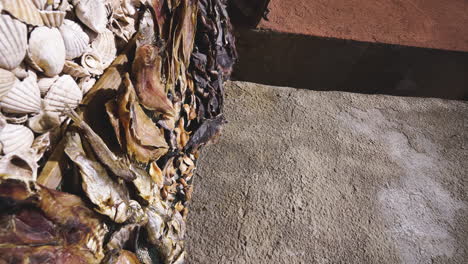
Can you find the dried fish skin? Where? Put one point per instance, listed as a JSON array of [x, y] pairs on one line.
[[127, 234], [208, 131], [150, 89], [111, 198], [121, 257], [117, 165], [143, 142]]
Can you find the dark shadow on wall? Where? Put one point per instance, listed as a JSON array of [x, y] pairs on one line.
[[344, 65]]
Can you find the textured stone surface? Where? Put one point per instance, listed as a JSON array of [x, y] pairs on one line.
[[328, 177], [422, 23]]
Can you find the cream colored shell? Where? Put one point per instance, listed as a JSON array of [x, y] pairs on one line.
[[75, 70], [93, 14], [47, 50], [13, 41], [92, 62], [63, 95], [23, 98], [75, 39], [15, 138], [7, 80], [23, 10], [104, 45], [45, 84], [52, 18]]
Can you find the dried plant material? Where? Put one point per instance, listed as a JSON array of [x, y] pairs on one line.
[[121, 257], [209, 130]]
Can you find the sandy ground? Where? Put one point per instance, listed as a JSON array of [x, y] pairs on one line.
[[328, 177]]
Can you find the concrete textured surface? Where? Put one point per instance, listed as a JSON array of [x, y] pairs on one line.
[[329, 177], [422, 23]]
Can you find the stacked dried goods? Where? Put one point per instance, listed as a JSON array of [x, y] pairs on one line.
[[104, 107]]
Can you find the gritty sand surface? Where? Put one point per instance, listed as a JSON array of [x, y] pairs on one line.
[[328, 177]]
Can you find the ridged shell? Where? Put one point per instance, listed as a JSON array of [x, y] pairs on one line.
[[23, 98], [52, 18], [104, 45], [75, 39], [63, 94], [47, 50], [20, 72], [75, 70], [39, 3], [7, 80], [86, 84], [92, 62], [13, 41], [23, 10], [93, 14], [45, 84], [15, 138]]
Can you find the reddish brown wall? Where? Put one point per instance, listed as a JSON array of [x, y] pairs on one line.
[[440, 24]]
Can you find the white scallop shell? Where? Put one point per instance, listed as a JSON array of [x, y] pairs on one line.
[[39, 3], [63, 95], [20, 72], [93, 14], [75, 70], [23, 10], [92, 62], [104, 45], [13, 42], [7, 80], [23, 98], [45, 84], [86, 84], [52, 18], [47, 50], [15, 138], [75, 39]]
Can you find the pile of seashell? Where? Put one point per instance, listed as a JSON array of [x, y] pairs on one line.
[[52, 52], [104, 106]]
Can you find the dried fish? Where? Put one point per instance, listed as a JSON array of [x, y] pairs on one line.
[[111, 198], [118, 166]]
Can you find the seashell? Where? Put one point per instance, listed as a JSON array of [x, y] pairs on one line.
[[16, 119], [40, 4], [104, 45], [75, 70], [23, 98], [7, 80], [13, 40], [24, 10], [86, 84], [44, 122], [63, 95], [47, 50], [45, 84], [20, 72], [92, 62], [15, 138], [93, 14], [75, 39], [52, 18]]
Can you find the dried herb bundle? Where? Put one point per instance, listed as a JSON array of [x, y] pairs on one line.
[[112, 183]]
